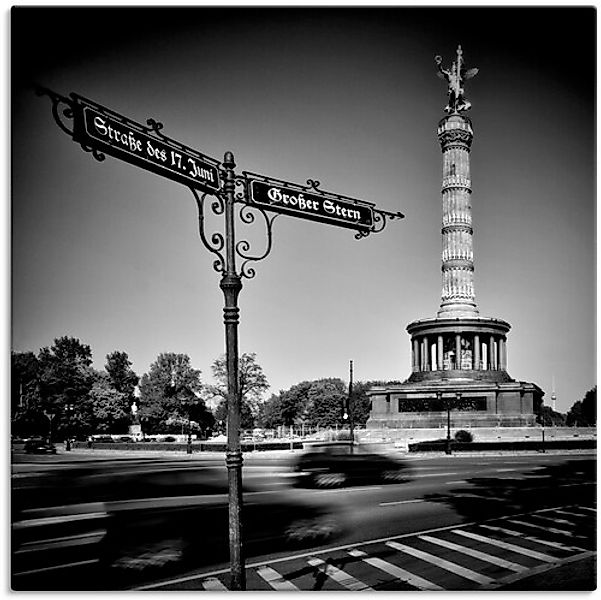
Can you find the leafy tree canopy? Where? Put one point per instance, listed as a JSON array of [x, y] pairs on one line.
[[122, 376], [170, 389], [252, 385], [65, 373], [584, 412]]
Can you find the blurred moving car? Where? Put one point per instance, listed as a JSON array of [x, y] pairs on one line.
[[39, 446], [335, 464], [88, 529]]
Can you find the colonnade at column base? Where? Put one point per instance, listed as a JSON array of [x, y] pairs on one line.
[[497, 376]]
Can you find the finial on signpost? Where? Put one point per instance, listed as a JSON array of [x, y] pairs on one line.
[[455, 76]]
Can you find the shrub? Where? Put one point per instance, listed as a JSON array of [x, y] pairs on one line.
[[464, 436]]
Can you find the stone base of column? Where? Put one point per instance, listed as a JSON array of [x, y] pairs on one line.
[[457, 310]]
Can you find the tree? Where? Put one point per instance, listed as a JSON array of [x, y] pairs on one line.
[[584, 412], [549, 417], [326, 402], [122, 377], [109, 408], [65, 379], [361, 402], [252, 383], [171, 389], [27, 417]]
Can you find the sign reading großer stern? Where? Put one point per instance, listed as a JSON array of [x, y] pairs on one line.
[[104, 130], [312, 204]]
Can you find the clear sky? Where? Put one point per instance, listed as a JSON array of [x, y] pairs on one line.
[[110, 253]]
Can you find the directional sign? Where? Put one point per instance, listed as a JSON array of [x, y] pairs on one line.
[[311, 204], [123, 138]]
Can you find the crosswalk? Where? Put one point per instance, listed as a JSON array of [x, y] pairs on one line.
[[476, 556]]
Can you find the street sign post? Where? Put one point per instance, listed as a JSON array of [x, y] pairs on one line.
[[109, 132], [309, 203], [99, 130]]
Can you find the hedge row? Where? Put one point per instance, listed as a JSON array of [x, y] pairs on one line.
[[182, 446], [535, 445]]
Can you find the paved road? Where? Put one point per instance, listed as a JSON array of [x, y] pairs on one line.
[[461, 523]]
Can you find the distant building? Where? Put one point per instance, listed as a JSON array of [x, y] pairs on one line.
[[459, 359]]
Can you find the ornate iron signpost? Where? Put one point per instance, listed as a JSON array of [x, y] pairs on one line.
[[99, 130]]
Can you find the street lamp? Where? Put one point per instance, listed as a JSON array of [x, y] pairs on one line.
[[68, 410], [350, 406], [189, 444]]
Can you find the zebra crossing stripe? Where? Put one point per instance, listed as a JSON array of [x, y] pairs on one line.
[[587, 508], [545, 528], [212, 584], [405, 576], [570, 512], [442, 563], [555, 520], [489, 558], [506, 546], [275, 580], [531, 538], [339, 576]]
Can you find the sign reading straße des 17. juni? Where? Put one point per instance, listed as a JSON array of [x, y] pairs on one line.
[[312, 204], [118, 136]]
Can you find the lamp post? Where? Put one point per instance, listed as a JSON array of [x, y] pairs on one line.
[[68, 409], [350, 406], [189, 442], [542, 421]]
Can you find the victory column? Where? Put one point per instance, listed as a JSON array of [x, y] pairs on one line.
[[459, 359]]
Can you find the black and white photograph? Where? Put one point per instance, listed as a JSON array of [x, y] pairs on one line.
[[301, 298]]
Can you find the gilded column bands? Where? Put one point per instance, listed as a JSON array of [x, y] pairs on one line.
[[455, 134]]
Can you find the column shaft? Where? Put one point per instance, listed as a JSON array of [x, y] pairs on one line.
[[476, 352], [415, 363], [458, 351]]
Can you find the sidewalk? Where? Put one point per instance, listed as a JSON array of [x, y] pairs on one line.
[[577, 575]]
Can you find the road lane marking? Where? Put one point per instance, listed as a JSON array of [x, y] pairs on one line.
[[56, 567], [416, 501], [405, 576], [212, 584], [275, 580], [503, 470], [489, 558], [339, 576], [442, 563], [545, 528], [347, 490], [455, 482], [433, 475], [533, 539], [506, 546]]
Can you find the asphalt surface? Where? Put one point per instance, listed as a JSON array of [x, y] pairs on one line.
[[474, 495]]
